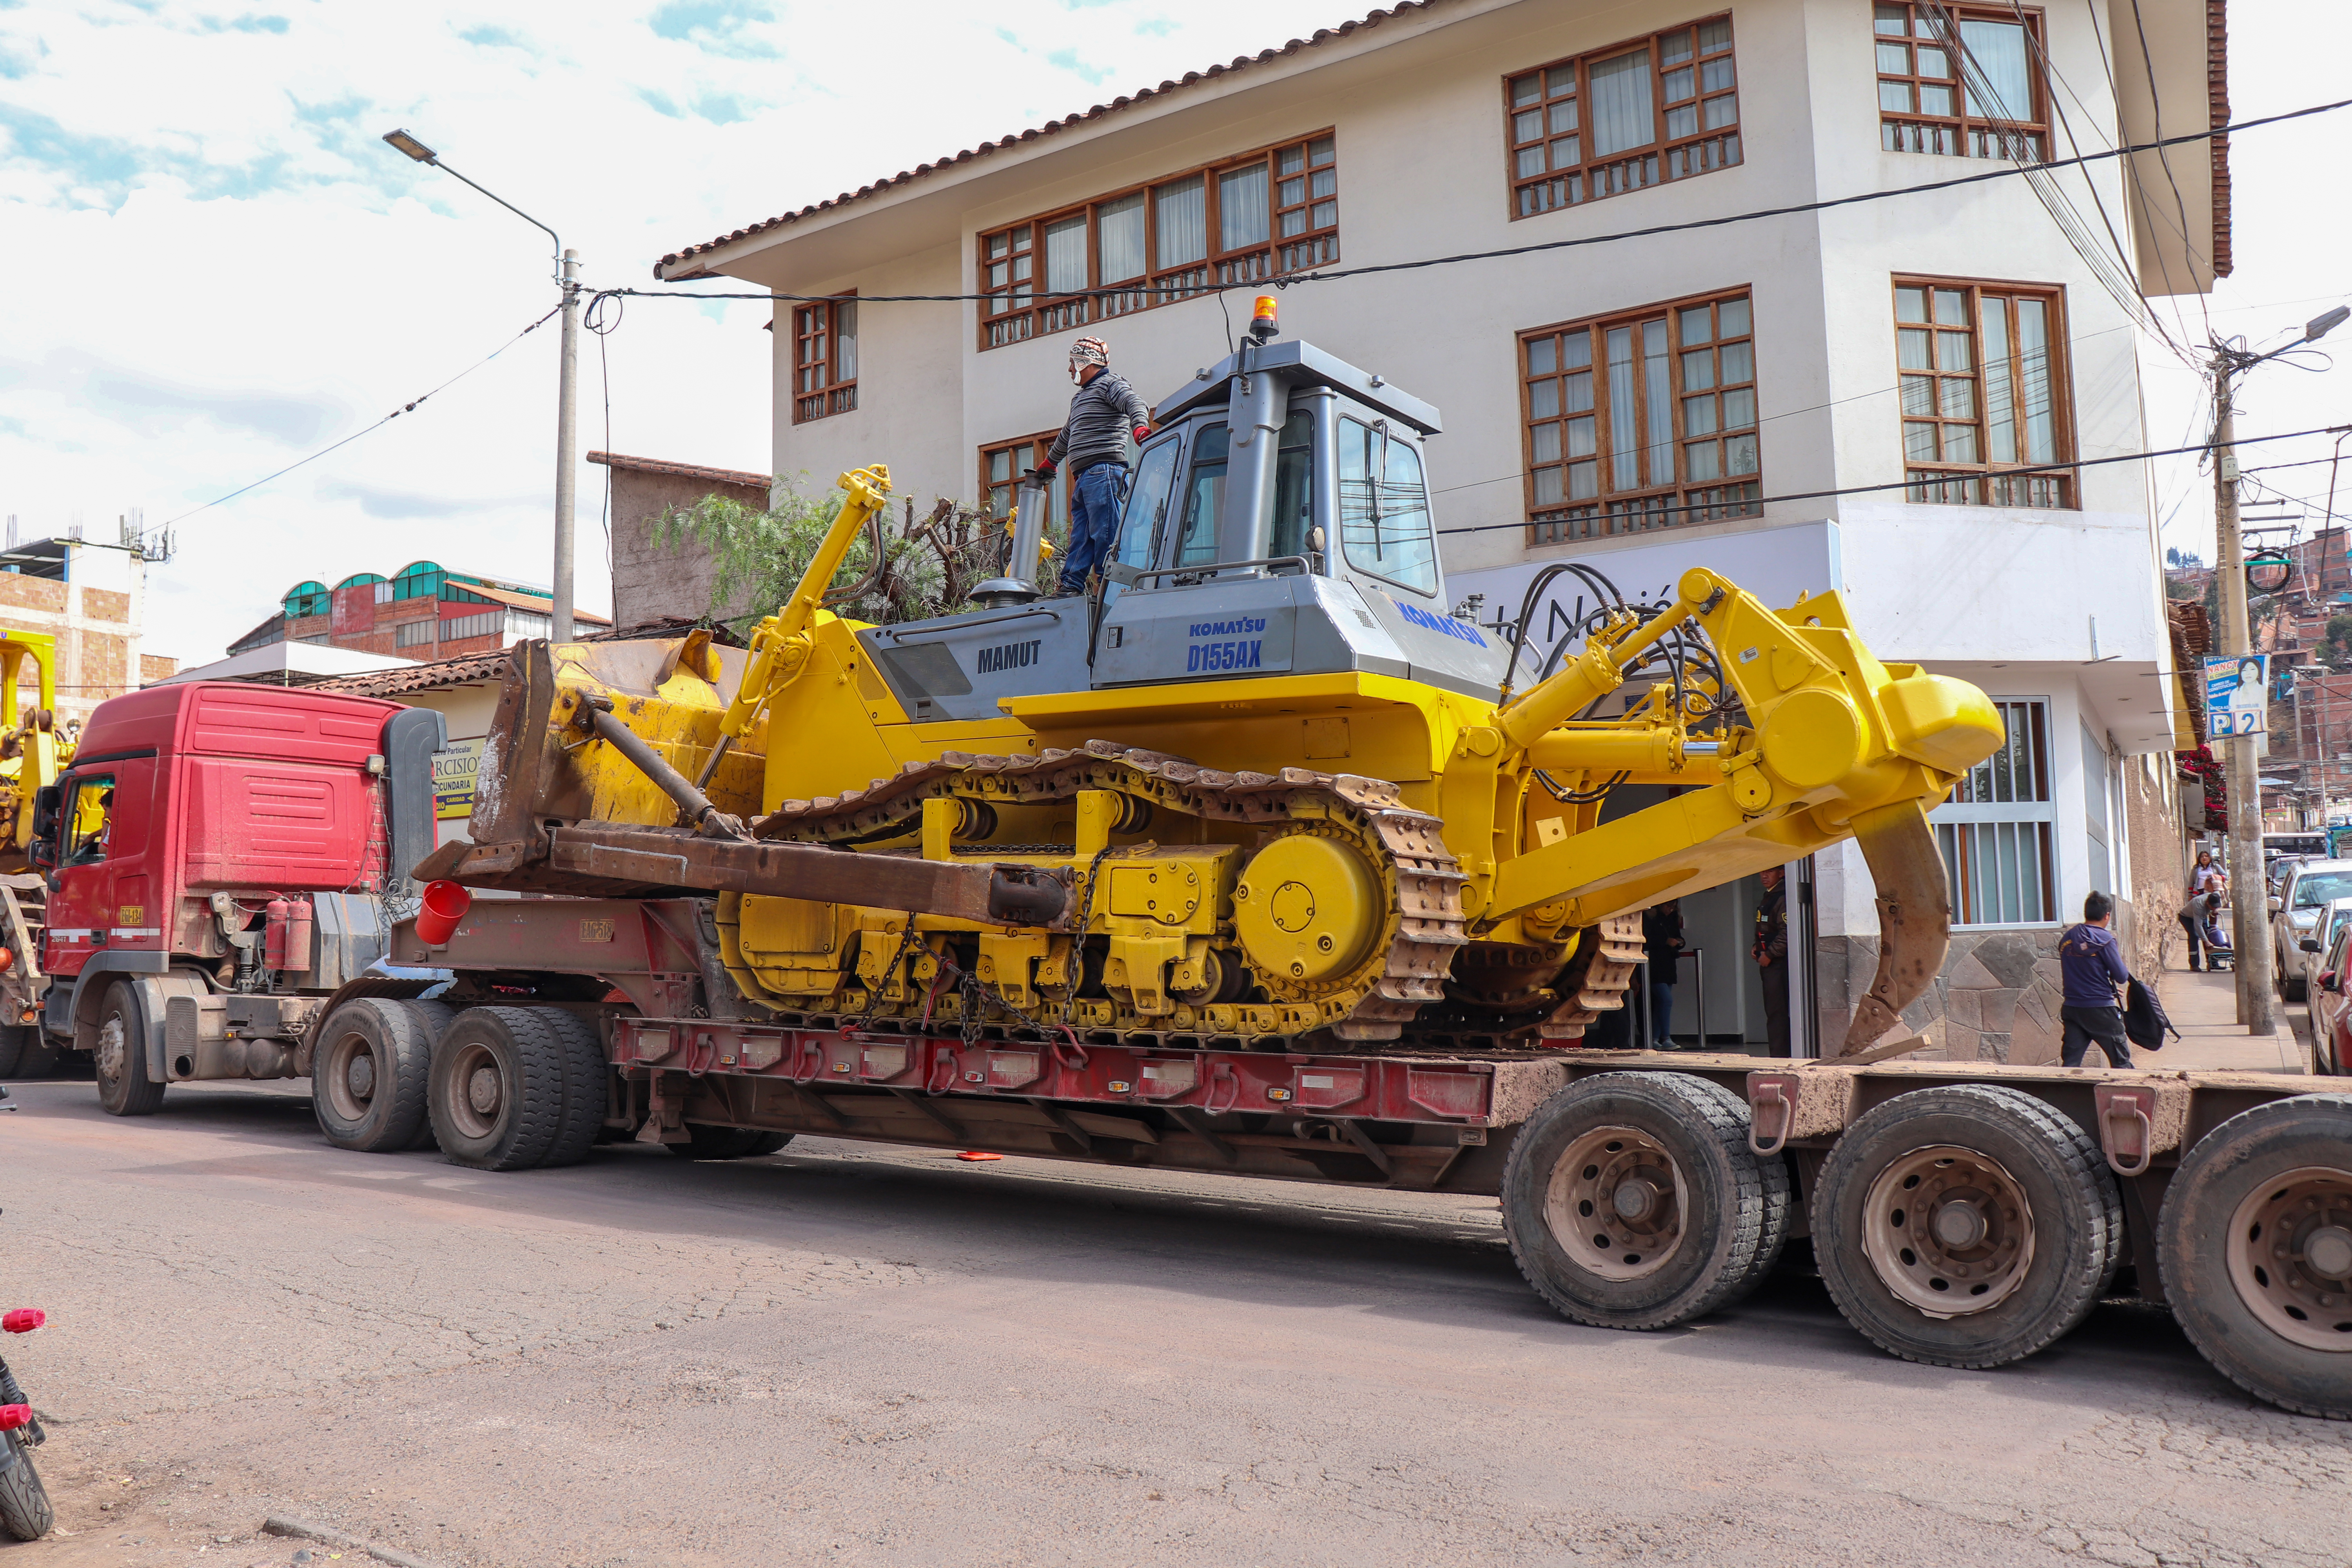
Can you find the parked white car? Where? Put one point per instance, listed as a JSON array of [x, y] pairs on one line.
[[2296, 912], [2314, 949]]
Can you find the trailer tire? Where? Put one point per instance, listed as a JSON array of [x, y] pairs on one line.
[[2033, 1230], [707, 1142], [120, 1056], [587, 1086], [25, 1510], [1633, 1201], [2270, 1180], [497, 1088], [369, 1076], [431, 1018], [12, 1049], [39, 1055]]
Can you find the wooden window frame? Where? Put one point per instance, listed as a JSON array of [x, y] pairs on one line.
[[1670, 155], [1027, 312], [1963, 134], [1028, 452], [1680, 500], [830, 392], [2053, 486]]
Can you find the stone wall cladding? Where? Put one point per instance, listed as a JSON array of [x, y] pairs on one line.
[[1996, 999], [2160, 876]]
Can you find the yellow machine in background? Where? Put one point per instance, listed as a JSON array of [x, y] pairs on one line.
[[31, 753]]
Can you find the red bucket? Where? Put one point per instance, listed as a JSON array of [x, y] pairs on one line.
[[445, 904]]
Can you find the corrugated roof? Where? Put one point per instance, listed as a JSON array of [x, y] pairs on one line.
[[433, 677], [536, 603], [683, 471], [1142, 95]]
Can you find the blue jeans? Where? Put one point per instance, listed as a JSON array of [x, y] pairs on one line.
[[1094, 522], [1662, 1014]]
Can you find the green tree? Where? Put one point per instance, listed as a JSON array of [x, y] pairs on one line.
[[925, 567]]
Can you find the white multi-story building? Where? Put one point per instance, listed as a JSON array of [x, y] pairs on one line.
[[1877, 380]]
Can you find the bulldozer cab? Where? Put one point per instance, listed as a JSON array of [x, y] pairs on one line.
[[1279, 523]]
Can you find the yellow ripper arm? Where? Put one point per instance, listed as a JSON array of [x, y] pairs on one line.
[[1837, 745]]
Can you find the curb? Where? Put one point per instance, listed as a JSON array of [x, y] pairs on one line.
[[302, 1529]]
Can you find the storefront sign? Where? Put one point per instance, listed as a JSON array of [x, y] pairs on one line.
[[453, 779]]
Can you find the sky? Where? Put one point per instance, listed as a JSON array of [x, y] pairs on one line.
[[215, 266]]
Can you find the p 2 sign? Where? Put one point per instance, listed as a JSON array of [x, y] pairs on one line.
[[2237, 695]]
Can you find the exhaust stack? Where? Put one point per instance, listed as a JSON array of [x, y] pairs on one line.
[[1032, 504]]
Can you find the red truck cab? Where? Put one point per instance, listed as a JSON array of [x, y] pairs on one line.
[[217, 857]]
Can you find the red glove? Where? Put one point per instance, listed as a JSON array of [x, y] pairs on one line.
[[1044, 470], [23, 1320], [1142, 434]]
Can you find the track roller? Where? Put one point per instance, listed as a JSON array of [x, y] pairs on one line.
[[2254, 1245], [1631, 1200], [1965, 1226]]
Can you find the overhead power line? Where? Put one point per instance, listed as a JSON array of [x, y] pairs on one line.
[[1797, 209], [1908, 484], [408, 407]]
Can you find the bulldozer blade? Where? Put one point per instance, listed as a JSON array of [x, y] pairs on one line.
[[1915, 917]]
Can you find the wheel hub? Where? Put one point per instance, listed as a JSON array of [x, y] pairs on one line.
[[110, 1048], [2290, 1256], [1615, 1203], [360, 1077], [1948, 1230], [482, 1090]]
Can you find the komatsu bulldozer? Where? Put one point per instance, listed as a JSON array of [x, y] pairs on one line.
[[1260, 787]]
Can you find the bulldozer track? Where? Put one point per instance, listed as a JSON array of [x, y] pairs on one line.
[[1424, 927]]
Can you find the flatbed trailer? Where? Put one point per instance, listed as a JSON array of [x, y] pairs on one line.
[[1962, 1214]]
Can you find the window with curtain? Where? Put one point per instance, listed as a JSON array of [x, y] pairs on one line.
[[1964, 81], [1996, 832], [1982, 393], [1258, 215], [1001, 467], [824, 359], [1641, 421], [1620, 119]]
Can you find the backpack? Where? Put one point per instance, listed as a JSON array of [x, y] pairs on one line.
[[2145, 1024]]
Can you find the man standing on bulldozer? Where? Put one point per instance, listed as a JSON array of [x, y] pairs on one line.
[[1093, 441]]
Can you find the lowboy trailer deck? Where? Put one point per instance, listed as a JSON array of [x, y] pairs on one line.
[[1962, 1214]]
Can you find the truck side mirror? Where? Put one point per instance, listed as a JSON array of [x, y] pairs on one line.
[[2309, 944], [2276, 903], [43, 850]]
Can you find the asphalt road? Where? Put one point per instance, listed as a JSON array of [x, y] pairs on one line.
[[844, 1354]]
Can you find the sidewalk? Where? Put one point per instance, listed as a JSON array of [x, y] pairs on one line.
[[2204, 1008]]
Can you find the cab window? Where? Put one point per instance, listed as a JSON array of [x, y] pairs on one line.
[[88, 821], [1196, 544], [1141, 531], [1385, 508], [1294, 487]]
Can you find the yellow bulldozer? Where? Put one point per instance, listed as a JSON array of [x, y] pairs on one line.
[[1258, 788]]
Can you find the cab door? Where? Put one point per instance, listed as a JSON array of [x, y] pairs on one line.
[[100, 897]]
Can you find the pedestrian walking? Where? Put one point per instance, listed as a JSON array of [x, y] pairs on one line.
[[2091, 962], [2195, 915], [1770, 950], [1093, 441], [1661, 938]]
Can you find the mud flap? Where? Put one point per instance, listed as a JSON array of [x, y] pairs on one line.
[[1915, 916]]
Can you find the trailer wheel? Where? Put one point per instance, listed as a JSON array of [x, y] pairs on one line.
[[121, 1056], [368, 1076], [2255, 1244], [431, 1018], [587, 1086], [727, 1142], [497, 1094], [1967, 1225], [1633, 1201]]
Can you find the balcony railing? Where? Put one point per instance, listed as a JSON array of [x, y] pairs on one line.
[[1027, 316], [817, 404], [1951, 138], [1643, 514], [2039, 491], [1679, 160]]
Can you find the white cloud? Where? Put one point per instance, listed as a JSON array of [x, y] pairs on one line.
[[215, 266]]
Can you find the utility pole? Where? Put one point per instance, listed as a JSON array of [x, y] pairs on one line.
[[2249, 899], [567, 442]]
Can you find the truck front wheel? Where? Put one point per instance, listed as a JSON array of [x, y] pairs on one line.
[[124, 1087], [368, 1076]]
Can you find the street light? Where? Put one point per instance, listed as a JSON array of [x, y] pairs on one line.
[[567, 389], [2256, 1007]]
